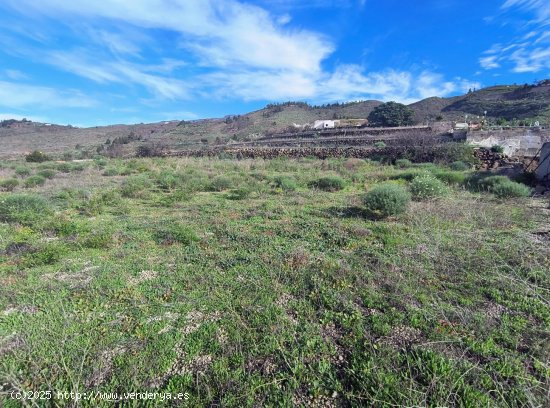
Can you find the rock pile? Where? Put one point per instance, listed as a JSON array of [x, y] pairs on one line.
[[490, 160]]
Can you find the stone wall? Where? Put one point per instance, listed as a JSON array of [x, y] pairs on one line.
[[516, 142]]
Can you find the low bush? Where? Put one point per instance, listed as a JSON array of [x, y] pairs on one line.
[[511, 189], [453, 152], [386, 199], [328, 183], [459, 166], [488, 183], [135, 186], [9, 184], [403, 163], [501, 186], [77, 167], [497, 149], [427, 186], [238, 194], [34, 181], [380, 145], [220, 183], [451, 177], [168, 180], [37, 157], [22, 171], [47, 173], [110, 171], [48, 254], [64, 167], [23, 208], [175, 232], [97, 239], [285, 183], [408, 175]]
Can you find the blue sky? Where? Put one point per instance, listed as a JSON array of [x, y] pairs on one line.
[[102, 62]]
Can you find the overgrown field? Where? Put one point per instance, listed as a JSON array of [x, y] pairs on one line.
[[272, 283]]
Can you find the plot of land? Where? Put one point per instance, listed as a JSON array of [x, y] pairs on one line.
[[243, 283]]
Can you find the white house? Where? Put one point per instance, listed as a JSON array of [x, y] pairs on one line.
[[326, 124]]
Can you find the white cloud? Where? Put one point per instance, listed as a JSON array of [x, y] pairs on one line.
[[530, 50], [490, 62], [229, 50], [22, 96], [541, 8], [222, 31], [119, 71], [15, 74]]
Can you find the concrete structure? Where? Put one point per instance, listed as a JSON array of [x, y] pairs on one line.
[[543, 171], [516, 142], [461, 126], [326, 124]]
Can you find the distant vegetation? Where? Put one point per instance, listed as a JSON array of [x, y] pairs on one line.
[[391, 114]]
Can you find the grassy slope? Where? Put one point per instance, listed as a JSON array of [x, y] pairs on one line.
[[272, 298]]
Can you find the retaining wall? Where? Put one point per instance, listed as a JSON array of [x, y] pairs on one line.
[[516, 142]]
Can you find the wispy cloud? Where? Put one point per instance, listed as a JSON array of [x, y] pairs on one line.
[[226, 48], [13, 95], [530, 49], [14, 74]]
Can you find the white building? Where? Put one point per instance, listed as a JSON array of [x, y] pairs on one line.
[[326, 124]]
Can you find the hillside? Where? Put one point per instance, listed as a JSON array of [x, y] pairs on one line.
[[510, 103]]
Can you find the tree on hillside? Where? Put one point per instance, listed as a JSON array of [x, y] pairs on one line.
[[391, 114]]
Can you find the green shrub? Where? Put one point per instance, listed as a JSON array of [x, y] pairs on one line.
[[9, 184], [219, 183], [34, 181], [22, 171], [380, 145], [175, 232], [48, 254], [459, 166], [451, 177], [47, 173], [497, 149], [100, 162], [110, 171], [77, 167], [452, 152], [386, 199], [408, 175], [98, 239], [328, 183], [501, 186], [176, 196], [64, 167], [427, 186], [168, 180], [23, 208], [238, 194], [402, 163], [488, 183], [135, 186], [511, 189], [37, 157], [285, 183]]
